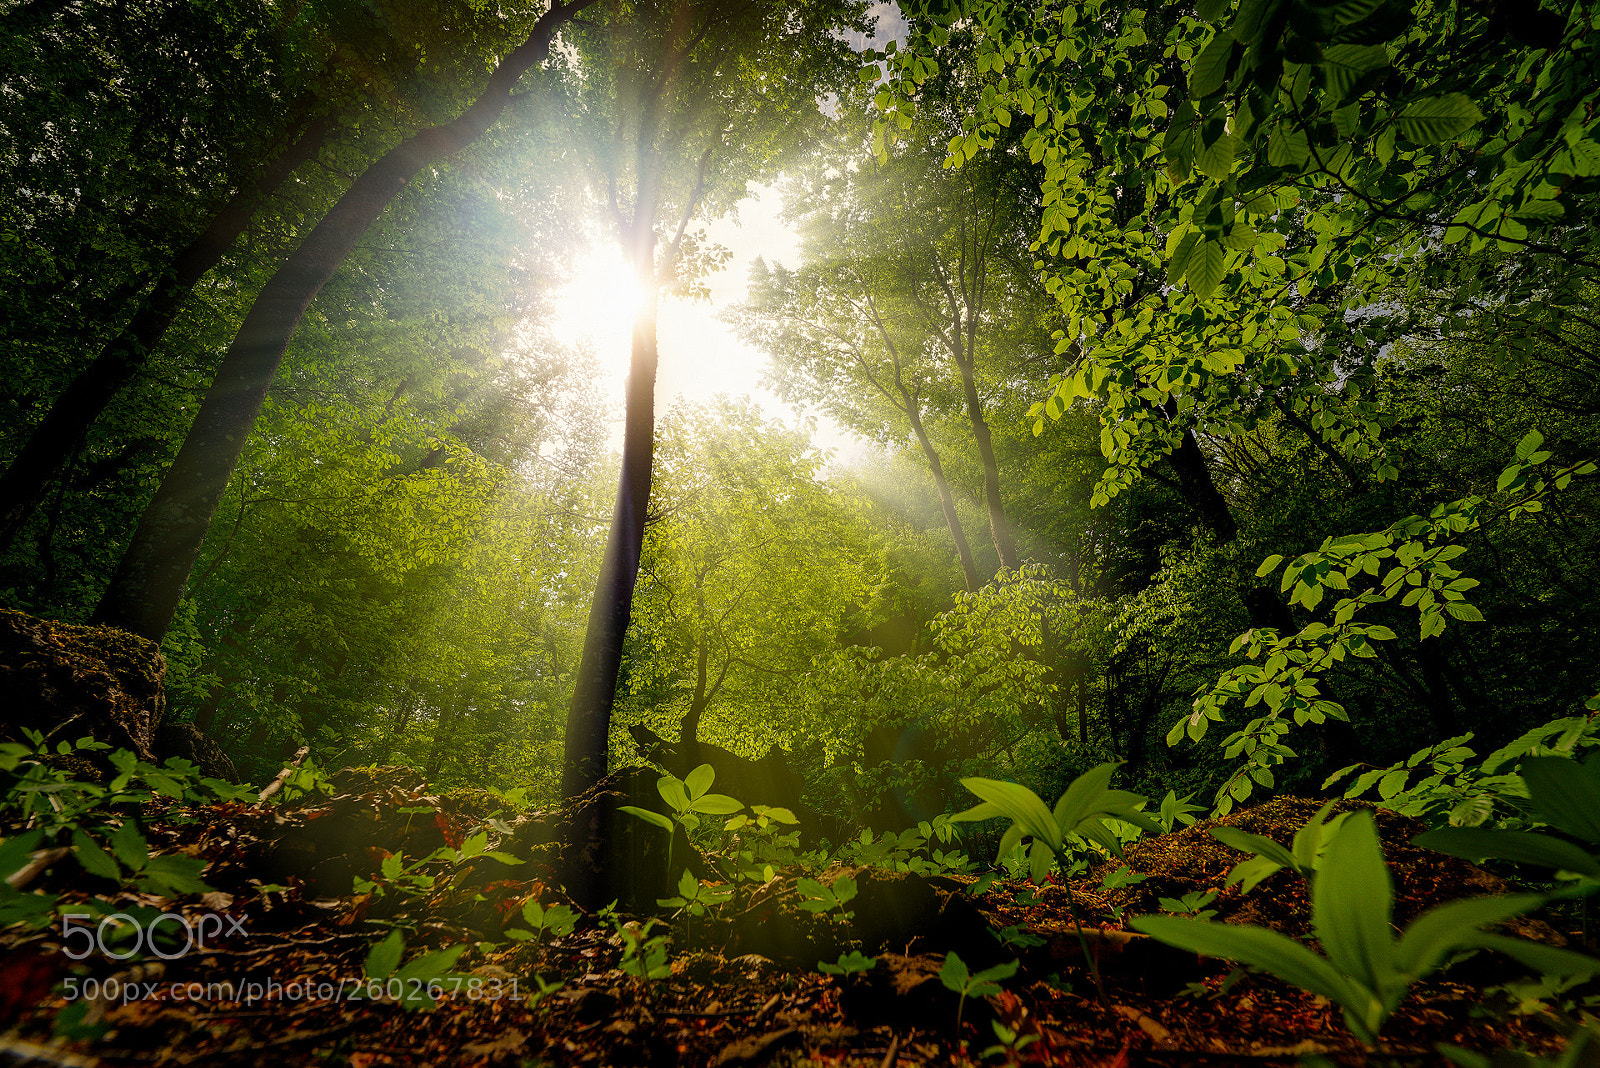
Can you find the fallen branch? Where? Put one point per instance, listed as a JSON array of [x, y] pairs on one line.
[[38, 861], [277, 784]]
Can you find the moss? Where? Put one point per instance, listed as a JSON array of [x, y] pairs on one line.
[[69, 681]]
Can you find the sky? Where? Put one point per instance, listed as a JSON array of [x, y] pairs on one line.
[[700, 356]]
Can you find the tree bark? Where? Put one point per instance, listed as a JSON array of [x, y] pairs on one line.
[[64, 426], [589, 715], [969, 566], [149, 581], [1198, 488], [1004, 543]]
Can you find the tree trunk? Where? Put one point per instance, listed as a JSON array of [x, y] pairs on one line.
[[969, 567], [64, 426], [589, 715], [1004, 543], [1198, 488], [149, 581]]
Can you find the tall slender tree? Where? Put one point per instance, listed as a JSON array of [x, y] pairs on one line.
[[148, 583], [689, 100]]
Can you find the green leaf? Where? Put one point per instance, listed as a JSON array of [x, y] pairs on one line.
[[1565, 795], [1344, 67], [1084, 796], [954, 974], [1206, 268], [172, 874], [1522, 847], [1269, 565], [1546, 959], [1529, 445], [95, 861], [1210, 67], [384, 958], [654, 818], [1254, 843], [699, 780], [1353, 903], [1438, 118], [129, 845], [1020, 804], [672, 791], [715, 805], [1441, 930], [1256, 946]]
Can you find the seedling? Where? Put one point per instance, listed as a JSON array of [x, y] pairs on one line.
[[688, 799], [643, 957], [1081, 813], [818, 898], [1012, 1042], [418, 983], [558, 920], [852, 963], [1192, 904], [956, 976]]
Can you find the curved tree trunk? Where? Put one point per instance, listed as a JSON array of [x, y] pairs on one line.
[[41, 460], [148, 583]]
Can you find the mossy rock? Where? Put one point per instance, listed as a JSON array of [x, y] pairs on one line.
[[67, 681]]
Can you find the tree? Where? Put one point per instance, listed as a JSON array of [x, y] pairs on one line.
[[913, 299], [689, 101], [144, 592]]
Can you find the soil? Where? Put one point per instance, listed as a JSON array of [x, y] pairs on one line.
[[741, 985]]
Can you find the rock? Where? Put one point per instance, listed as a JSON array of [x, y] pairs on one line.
[[192, 744], [67, 681]]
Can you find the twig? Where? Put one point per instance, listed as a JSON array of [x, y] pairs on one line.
[[894, 1051], [38, 861], [277, 784]]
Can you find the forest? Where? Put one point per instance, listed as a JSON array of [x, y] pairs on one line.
[[1139, 618]]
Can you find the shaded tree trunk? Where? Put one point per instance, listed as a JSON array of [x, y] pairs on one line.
[[589, 715], [1200, 490], [969, 566], [145, 590], [62, 430]]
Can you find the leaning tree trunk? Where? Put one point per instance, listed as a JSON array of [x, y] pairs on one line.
[[1005, 545], [58, 435], [589, 715], [947, 501], [149, 581]]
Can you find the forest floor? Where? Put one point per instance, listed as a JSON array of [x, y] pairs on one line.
[[292, 976]]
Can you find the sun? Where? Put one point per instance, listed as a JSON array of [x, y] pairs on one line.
[[598, 305]]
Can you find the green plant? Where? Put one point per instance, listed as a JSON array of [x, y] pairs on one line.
[[1175, 810], [558, 920], [955, 976], [850, 963], [694, 897], [1310, 842], [1011, 1042], [815, 897], [1080, 813], [420, 982], [643, 956], [1366, 972], [1191, 904], [1563, 793], [766, 846]]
